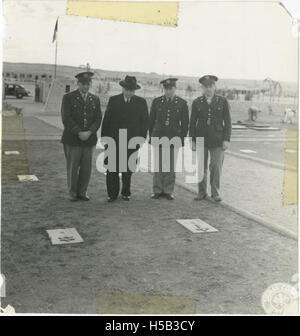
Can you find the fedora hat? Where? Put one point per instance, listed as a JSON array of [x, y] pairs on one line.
[[129, 83]]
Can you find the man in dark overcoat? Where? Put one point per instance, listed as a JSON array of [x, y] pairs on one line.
[[125, 112]]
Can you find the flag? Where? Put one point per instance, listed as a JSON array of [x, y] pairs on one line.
[[55, 30]]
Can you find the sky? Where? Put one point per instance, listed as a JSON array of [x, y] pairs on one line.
[[231, 40]]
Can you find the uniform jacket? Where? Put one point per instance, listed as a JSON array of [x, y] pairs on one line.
[[169, 119], [120, 115], [211, 121], [79, 115]]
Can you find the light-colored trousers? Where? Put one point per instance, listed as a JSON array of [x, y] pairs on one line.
[[215, 168], [79, 168], [164, 181]]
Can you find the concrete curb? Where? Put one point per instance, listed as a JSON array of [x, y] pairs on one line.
[[265, 162], [274, 227]]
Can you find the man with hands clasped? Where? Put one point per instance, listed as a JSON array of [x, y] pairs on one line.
[[81, 117]]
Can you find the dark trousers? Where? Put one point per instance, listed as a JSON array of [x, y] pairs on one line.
[[113, 179], [113, 184], [79, 168]]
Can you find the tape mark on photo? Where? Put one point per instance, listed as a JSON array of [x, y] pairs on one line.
[[153, 13]]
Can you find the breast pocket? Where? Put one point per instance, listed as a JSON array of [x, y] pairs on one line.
[[76, 111], [160, 115], [92, 111], [219, 112], [75, 106]]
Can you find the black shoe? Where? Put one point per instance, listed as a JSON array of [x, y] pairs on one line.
[[169, 197], [73, 198], [200, 197], [83, 197], [155, 196], [125, 198], [111, 199]]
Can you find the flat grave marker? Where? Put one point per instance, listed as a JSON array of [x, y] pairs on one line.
[[196, 225], [248, 151], [11, 152], [27, 178], [64, 236]]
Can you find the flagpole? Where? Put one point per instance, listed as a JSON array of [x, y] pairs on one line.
[[56, 41], [55, 58]]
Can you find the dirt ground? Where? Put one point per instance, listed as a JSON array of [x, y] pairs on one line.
[[134, 247]]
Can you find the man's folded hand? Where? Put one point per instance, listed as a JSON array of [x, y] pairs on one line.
[[83, 136], [225, 145]]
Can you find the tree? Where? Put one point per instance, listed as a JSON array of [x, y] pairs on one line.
[[107, 87], [99, 88], [274, 89], [249, 95], [189, 90], [278, 90]]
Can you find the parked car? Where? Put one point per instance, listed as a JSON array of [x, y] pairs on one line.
[[16, 90]]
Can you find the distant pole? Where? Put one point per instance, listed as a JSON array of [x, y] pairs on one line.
[[55, 38], [55, 64]]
